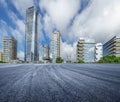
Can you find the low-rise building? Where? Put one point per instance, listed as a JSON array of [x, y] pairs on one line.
[[86, 50], [112, 47]]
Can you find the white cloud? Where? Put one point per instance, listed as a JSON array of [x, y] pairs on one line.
[[99, 21], [21, 55], [3, 31], [20, 23], [3, 2], [17, 34], [3, 25], [68, 51], [7, 30], [19, 30], [48, 25], [22, 5], [61, 12]]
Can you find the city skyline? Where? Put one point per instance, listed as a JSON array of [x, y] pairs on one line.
[[59, 50], [72, 21]]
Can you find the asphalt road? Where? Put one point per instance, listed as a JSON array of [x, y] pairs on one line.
[[60, 83]]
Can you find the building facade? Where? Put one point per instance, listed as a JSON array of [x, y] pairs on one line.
[[98, 51], [46, 52], [1, 56], [31, 35], [112, 47], [86, 50], [55, 45], [9, 49]]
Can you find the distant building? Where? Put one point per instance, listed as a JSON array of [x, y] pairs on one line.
[[68, 60], [98, 51], [55, 45], [1, 56], [86, 50], [112, 47], [31, 35], [16, 61], [45, 52], [9, 49]]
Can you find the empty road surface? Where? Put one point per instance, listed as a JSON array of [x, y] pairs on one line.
[[60, 83]]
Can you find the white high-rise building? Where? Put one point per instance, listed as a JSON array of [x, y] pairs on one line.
[[98, 51], [55, 45]]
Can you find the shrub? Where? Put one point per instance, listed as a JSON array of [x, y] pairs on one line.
[[109, 59], [59, 60]]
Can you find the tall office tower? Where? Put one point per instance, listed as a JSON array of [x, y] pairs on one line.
[[112, 47], [45, 52], [1, 56], [9, 49], [98, 51], [55, 45], [31, 35], [86, 50]]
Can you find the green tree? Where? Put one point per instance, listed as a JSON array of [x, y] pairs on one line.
[[80, 61], [2, 62], [59, 60], [109, 59]]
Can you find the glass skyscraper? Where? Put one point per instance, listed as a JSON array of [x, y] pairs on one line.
[[31, 35]]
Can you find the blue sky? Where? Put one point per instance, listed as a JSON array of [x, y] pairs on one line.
[[96, 19]]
